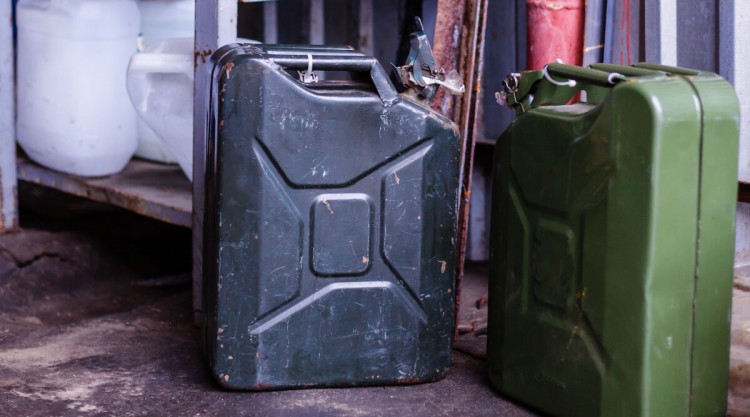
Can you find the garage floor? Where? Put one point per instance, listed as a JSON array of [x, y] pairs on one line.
[[95, 320]]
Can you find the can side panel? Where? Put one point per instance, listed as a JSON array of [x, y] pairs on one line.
[[585, 289], [714, 273], [336, 225]]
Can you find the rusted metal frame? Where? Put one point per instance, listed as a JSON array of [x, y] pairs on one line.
[[449, 35], [132, 189], [459, 44], [215, 26], [8, 201], [626, 40], [593, 36]]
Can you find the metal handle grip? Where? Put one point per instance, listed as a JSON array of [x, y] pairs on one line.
[[350, 63], [332, 50], [592, 76]]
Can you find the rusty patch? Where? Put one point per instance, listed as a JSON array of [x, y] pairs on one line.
[[228, 69], [328, 205], [449, 28], [409, 381], [465, 328], [202, 55]]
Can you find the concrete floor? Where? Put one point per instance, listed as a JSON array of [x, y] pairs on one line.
[[739, 356], [95, 320]]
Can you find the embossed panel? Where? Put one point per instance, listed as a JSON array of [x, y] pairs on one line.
[[552, 264], [280, 272], [403, 218], [341, 234]]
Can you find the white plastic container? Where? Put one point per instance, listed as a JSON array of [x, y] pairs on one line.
[[160, 20], [160, 84], [74, 114], [166, 19]]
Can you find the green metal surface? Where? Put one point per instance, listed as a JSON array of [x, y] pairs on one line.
[[612, 243]]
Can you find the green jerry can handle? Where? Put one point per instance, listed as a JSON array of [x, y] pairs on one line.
[[354, 62], [558, 83]]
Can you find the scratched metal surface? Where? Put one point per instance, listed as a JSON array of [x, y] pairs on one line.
[[331, 232]]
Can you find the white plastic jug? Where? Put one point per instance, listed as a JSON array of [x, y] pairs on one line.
[[166, 19], [160, 20], [160, 84], [74, 114]]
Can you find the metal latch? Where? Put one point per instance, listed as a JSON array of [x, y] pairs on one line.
[[422, 73], [509, 95]]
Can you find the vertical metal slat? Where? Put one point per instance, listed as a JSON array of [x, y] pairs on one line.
[[366, 32], [270, 19], [593, 36], [215, 25], [317, 22], [8, 206]]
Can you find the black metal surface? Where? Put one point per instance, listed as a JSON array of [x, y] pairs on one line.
[[330, 227]]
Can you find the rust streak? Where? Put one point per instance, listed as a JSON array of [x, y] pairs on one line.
[[449, 31], [202, 55]]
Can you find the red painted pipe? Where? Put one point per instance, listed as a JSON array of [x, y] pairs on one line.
[[554, 30]]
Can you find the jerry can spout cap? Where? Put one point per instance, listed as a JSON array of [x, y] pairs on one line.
[[421, 73]]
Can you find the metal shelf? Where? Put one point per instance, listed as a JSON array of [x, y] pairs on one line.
[[147, 188]]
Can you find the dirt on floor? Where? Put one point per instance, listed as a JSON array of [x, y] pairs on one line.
[[95, 320], [739, 357]]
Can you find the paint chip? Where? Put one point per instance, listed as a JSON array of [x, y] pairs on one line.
[[365, 260], [395, 177], [443, 265], [328, 206]]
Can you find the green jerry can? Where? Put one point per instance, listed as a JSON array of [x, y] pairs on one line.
[[613, 241], [331, 217]]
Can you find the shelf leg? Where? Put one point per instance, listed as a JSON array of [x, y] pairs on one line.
[[8, 200], [215, 26]]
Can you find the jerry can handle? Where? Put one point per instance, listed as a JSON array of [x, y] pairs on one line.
[[556, 84], [351, 63], [284, 49], [587, 75]]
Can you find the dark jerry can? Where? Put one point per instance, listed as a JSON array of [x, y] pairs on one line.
[[330, 224], [613, 242]]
